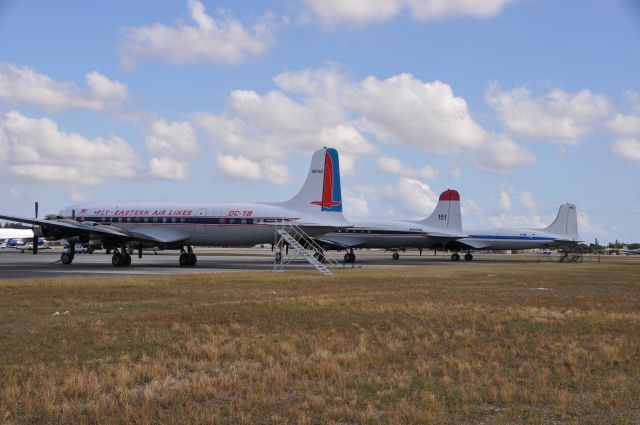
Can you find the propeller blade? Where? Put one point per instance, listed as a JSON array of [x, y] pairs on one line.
[[34, 242]]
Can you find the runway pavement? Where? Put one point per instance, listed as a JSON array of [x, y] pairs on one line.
[[16, 265]]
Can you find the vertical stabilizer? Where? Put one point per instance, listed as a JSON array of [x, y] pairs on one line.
[[566, 222], [447, 212], [321, 191]]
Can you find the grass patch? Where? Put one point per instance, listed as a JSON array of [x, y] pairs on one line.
[[533, 343]]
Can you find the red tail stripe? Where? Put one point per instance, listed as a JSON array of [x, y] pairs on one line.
[[450, 195]]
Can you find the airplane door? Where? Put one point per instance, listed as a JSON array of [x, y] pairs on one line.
[[200, 215]]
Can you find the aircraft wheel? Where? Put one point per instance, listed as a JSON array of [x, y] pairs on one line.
[[193, 259], [184, 259], [455, 257], [127, 260], [347, 258], [66, 258], [396, 256], [117, 260], [278, 257], [468, 257]]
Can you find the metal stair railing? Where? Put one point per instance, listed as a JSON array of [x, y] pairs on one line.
[[311, 244], [304, 253], [304, 247]]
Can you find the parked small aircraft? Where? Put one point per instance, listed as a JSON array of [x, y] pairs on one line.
[[627, 251]]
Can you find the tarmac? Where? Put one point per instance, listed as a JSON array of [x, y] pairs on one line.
[[16, 265]]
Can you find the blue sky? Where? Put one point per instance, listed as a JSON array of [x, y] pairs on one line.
[[521, 105]]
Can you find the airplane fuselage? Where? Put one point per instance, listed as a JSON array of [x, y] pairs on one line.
[[198, 224], [501, 239], [386, 234]]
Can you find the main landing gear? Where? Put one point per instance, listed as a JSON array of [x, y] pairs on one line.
[[121, 258], [350, 257], [67, 256], [187, 258], [456, 257]]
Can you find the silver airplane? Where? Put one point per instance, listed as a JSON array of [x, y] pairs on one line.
[[562, 232], [317, 209], [442, 227]]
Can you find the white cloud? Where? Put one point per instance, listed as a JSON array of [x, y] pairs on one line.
[[502, 154], [523, 221], [355, 204], [15, 192], [103, 88], [221, 40], [559, 116], [316, 108], [36, 150], [504, 200], [239, 167], [628, 149], [470, 208], [624, 125], [423, 115], [168, 168], [587, 227], [508, 194], [416, 196], [80, 197], [361, 12], [332, 12], [395, 166], [428, 10], [172, 143], [275, 172], [175, 139], [22, 84], [526, 199]]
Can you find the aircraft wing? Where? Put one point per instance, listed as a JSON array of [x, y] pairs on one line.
[[66, 228], [473, 243], [343, 243]]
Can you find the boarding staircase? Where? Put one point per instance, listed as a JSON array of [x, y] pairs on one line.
[[304, 247]]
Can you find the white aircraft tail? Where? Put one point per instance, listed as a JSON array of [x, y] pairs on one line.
[[566, 222], [447, 212], [321, 191]]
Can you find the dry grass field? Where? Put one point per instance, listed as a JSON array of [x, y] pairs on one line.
[[453, 343]]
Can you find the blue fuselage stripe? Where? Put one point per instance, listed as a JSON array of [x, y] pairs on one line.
[[512, 237]]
